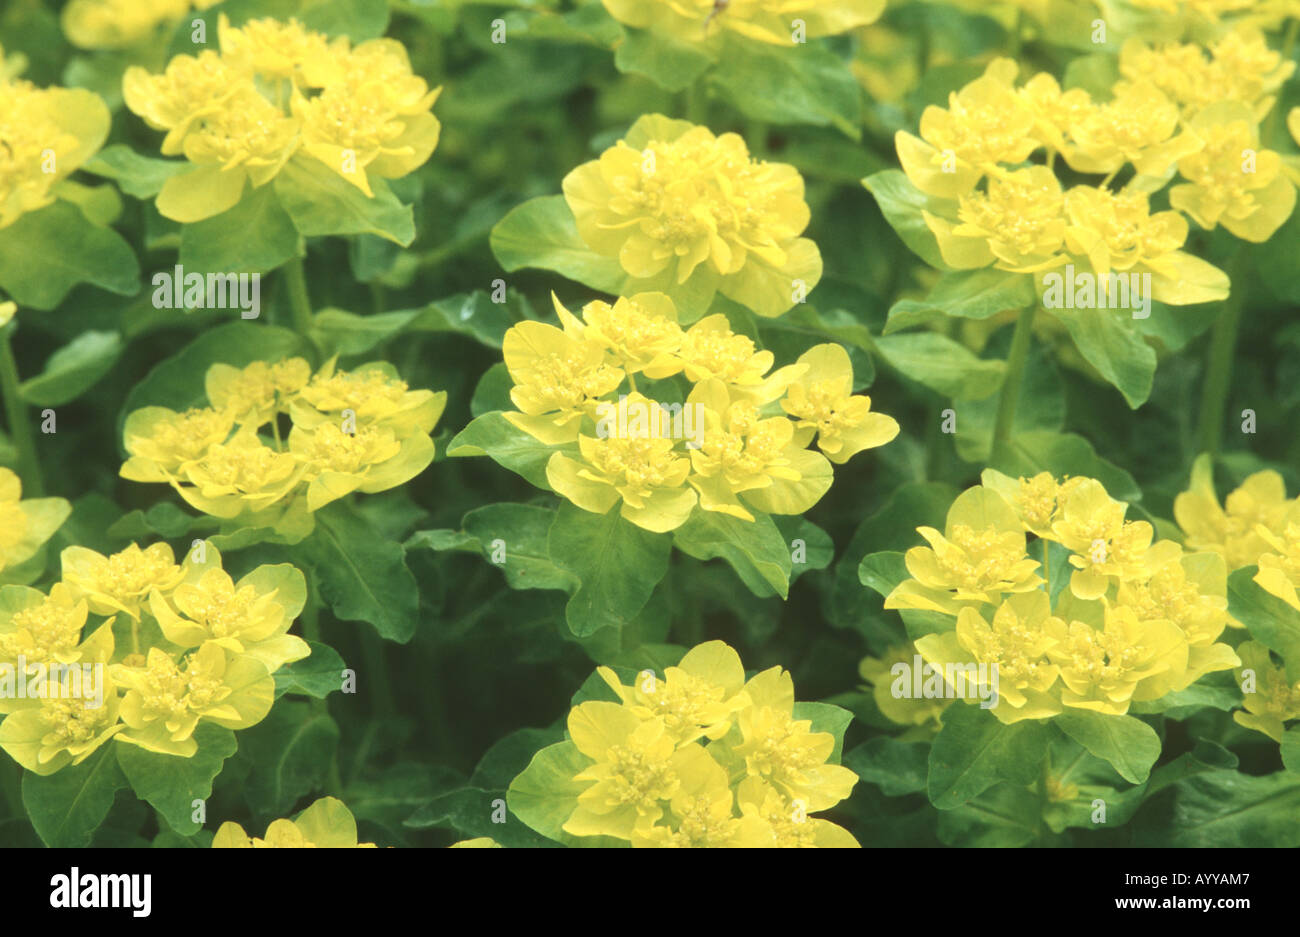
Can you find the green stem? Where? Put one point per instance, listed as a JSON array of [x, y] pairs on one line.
[[299, 301], [1044, 776], [1016, 357], [20, 429], [1218, 368]]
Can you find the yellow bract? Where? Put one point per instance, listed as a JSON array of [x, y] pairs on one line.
[[120, 24], [276, 89], [25, 526], [326, 824], [1270, 698]]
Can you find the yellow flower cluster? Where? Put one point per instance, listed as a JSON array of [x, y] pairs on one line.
[[923, 716], [680, 208], [45, 134], [119, 24], [326, 824], [360, 430], [1173, 108], [738, 443], [705, 758], [202, 648], [276, 90], [25, 526], [772, 21], [1139, 619]]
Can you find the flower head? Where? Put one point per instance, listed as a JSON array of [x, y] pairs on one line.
[[123, 581], [326, 824]]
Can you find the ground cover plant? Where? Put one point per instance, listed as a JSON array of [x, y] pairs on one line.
[[632, 423]]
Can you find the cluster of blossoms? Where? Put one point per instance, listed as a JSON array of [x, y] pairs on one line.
[[705, 758], [25, 526], [1140, 617], [683, 210], [138, 648], [1175, 111], [326, 824], [737, 444], [1257, 525], [276, 91], [45, 134], [359, 430], [120, 24], [772, 21]]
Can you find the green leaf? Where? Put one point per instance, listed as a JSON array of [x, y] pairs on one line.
[[318, 675], [973, 751], [895, 766], [544, 795], [810, 547], [754, 549], [826, 717], [802, 84], [882, 572], [617, 565], [941, 364], [1227, 809], [1206, 756], [1270, 621], [901, 204], [255, 236], [45, 253], [668, 62], [68, 806], [524, 530], [1291, 749], [322, 202], [966, 294], [1128, 743], [1003, 817], [493, 435], [73, 369], [289, 753], [172, 783], [136, 175], [1040, 407], [1065, 454], [361, 575], [1114, 348], [474, 315]]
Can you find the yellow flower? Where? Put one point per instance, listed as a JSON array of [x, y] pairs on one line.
[[45, 134], [242, 475], [7, 311], [370, 459], [1035, 500], [711, 351], [25, 526], [123, 581], [256, 393], [1232, 530], [985, 124], [251, 617], [120, 24], [187, 90], [1279, 566], [641, 471], [61, 730], [768, 21], [979, 557], [371, 393], [700, 816], [687, 210], [1105, 669], [1274, 699], [823, 400], [1137, 126], [557, 379], [1230, 180], [42, 628], [479, 842], [744, 456], [326, 824], [163, 443], [1056, 112], [281, 51], [1091, 525], [165, 700], [697, 698], [906, 710], [1017, 225], [790, 826], [639, 333]]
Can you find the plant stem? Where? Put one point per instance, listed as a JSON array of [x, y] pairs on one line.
[[1016, 357], [20, 430], [1218, 368], [299, 301], [1044, 777]]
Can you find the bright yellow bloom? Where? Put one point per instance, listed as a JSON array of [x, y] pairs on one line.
[[256, 393], [478, 842], [1035, 500], [1105, 669], [1056, 112], [25, 526], [639, 333], [1138, 126], [326, 824], [1231, 181], [1274, 699], [1092, 527], [687, 209], [163, 443], [165, 700], [242, 475], [744, 456], [711, 350], [45, 134], [119, 24], [701, 816], [823, 400], [60, 730], [279, 50], [370, 459], [42, 628], [770, 21], [791, 827], [371, 393], [1279, 565], [1233, 529], [121, 582], [557, 379], [1017, 225]]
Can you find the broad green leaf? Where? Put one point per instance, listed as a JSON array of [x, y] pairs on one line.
[[901, 204], [617, 565], [1206, 756], [318, 675], [321, 202], [255, 236], [810, 547], [1228, 809], [45, 253], [882, 572], [493, 435], [73, 369], [1065, 454], [1128, 743], [1270, 621], [545, 794], [670, 63], [966, 294], [1114, 348], [67, 806], [1291, 749], [289, 753], [523, 530], [171, 783], [361, 575], [895, 766], [754, 549], [1003, 817], [941, 364], [973, 751], [136, 175]]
